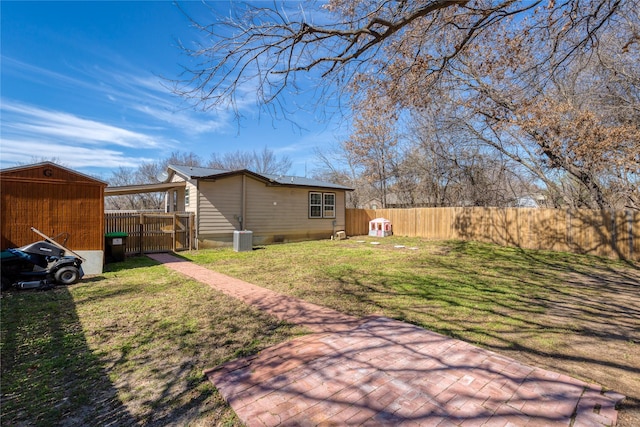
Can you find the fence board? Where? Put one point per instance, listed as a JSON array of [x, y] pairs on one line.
[[150, 233], [612, 234]]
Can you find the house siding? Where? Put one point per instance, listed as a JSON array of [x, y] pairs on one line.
[[219, 205], [273, 213], [282, 213]]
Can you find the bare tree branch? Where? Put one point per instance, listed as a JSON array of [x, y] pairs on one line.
[[262, 50]]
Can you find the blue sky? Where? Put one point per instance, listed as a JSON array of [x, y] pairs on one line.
[[82, 82]]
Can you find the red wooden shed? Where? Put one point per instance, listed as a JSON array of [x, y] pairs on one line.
[[54, 200]]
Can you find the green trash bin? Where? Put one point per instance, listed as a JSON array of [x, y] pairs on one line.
[[115, 245]]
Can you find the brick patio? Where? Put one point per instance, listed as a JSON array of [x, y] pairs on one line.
[[379, 371]]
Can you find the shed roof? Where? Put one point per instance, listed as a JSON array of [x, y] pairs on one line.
[[44, 172], [191, 172]]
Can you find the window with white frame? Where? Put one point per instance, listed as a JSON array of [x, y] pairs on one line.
[[322, 205], [315, 205], [186, 196], [329, 205]]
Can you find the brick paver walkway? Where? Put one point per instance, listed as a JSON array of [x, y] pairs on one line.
[[378, 371]]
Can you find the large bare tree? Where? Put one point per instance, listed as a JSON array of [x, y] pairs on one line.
[[444, 167], [575, 121], [268, 48], [374, 145], [550, 85], [341, 166], [564, 107]]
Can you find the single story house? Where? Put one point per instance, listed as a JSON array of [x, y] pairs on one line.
[[276, 208]]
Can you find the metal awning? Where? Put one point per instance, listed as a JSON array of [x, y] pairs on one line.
[[143, 188]]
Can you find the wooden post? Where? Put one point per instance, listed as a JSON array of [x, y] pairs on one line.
[[173, 231], [190, 230], [141, 233]]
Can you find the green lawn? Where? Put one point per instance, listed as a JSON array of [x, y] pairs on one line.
[[567, 312], [129, 346], [470, 291], [125, 348]]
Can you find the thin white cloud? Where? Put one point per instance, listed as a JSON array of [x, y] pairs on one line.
[[20, 119], [19, 151], [184, 120], [308, 143], [135, 90], [146, 81], [152, 96], [133, 87], [40, 75]]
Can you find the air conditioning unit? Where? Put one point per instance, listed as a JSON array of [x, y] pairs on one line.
[[242, 240]]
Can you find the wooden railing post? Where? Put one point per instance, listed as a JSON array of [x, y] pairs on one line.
[[193, 243], [173, 232], [141, 233]]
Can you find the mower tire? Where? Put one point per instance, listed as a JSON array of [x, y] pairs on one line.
[[67, 275]]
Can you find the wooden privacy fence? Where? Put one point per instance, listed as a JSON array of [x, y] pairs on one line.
[[612, 234], [149, 233]]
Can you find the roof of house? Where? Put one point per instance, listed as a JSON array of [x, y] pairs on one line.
[[142, 188], [192, 172]]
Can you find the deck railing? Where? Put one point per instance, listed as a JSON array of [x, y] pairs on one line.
[[153, 232]]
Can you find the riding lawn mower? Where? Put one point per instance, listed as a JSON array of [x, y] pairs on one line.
[[40, 265]]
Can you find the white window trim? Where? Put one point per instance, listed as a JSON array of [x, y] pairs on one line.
[[311, 194], [322, 205]]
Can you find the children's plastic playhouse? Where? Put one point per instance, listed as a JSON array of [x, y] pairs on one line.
[[380, 227]]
